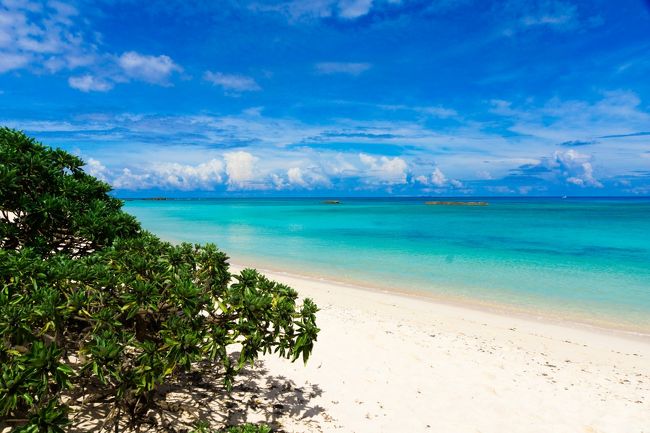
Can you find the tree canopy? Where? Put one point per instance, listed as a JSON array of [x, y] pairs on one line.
[[93, 306], [49, 204]]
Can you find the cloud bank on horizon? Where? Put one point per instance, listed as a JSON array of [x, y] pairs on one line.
[[345, 97]]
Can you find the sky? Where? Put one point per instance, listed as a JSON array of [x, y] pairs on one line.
[[336, 97]]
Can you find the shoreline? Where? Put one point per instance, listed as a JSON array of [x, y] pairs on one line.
[[605, 327], [387, 362], [575, 319]]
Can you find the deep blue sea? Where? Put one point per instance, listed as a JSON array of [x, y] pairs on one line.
[[581, 259]]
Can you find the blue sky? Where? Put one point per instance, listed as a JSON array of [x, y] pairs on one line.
[[337, 97]]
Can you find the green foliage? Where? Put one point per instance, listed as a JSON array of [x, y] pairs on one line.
[[124, 317], [249, 428], [204, 427], [48, 203]]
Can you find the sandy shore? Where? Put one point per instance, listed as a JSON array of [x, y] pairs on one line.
[[391, 363]]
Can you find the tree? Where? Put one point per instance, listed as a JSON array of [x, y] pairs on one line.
[[122, 317], [49, 204]]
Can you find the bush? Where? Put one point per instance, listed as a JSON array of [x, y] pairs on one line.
[[204, 427], [49, 204], [124, 313]]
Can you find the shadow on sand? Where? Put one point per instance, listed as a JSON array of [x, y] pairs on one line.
[[257, 396]]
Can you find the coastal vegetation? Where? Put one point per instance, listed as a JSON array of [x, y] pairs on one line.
[[94, 308]]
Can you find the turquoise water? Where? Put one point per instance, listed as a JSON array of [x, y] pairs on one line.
[[584, 260]]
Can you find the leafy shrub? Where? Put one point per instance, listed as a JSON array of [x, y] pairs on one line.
[[114, 312], [48, 203], [204, 427]]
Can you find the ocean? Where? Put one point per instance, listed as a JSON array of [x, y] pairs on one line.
[[584, 260]]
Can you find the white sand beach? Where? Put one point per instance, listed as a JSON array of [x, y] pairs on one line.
[[392, 363]]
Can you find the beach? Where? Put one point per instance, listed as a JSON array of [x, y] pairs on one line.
[[387, 362], [462, 188], [584, 259]]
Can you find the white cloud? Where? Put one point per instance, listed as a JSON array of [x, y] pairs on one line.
[[190, 177], [456, 183], [295, 177], [278, 181], [563, 167], [438, 178], [152, 69], [384, 170], [9, 61], [97, 169], [89, 83], [183, 177], [240, 167], [342, 68], [113, 70], [132, 181], [611, 127], [307, 178], [49, 37], [354, 8], [33, 35], [434, 111], [552, 13], [556, 15], [298, 10], [576, 168], [441, 112], [232, 82], [515, 146]]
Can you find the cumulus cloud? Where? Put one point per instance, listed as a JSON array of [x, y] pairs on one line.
[[438, 179], [295, 177], [152, 69], [515, 148], [95, 168], [384, 170], [309, 178], [128, 180], [610, 127], [240, 167], [88, 83], [348, 68], [564, 167], [456, 183], [576, 168], [204, 176], [232, 82], [173, 176]]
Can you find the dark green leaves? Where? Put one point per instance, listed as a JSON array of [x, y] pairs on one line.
[[49, 204], [91, 304]]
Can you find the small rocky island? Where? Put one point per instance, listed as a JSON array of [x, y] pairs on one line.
[[331, 202]]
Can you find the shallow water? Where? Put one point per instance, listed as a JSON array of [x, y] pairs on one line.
[[582, 259]]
